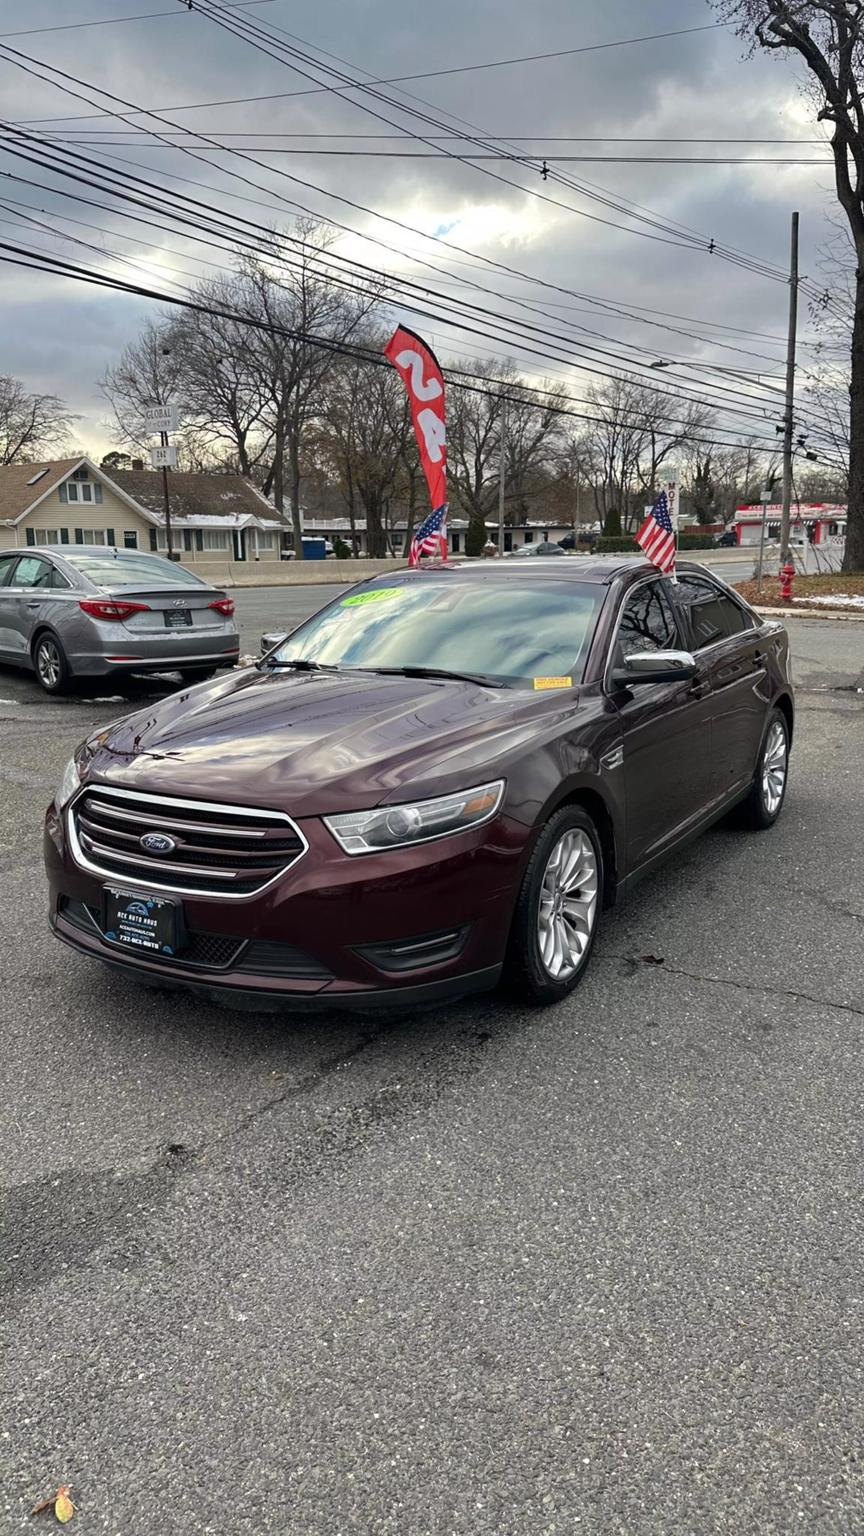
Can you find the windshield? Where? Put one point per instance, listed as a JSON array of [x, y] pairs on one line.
[[523, 632], [123, 570]]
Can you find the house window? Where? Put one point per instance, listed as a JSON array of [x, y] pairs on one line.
[[215, 540], [47, 535], [130, 538], [454, 540], [77, 490], [94, 535], [154, 542], [265, 540]]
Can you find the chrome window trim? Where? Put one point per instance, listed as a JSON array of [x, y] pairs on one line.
[[214, 807]]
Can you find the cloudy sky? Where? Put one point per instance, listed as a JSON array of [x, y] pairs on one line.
[[59, 336]]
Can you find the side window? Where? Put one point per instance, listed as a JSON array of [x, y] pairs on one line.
[[58, 581], [713, 615], [32, 572], [7, 565], [647, 621]]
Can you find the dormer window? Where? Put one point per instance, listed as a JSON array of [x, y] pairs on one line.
[[80, 488]]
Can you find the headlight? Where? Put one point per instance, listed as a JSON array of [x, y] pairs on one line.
[[70, 781], [398, 826]]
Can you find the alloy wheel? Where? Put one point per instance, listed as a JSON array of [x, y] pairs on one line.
[[567, 909], [48, 663], [774, 764]]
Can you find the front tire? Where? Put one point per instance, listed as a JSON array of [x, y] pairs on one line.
[[765, 801], [557, 910], [52, 668]]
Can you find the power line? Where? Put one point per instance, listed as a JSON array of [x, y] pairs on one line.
[[113, 21], [592, 359], [474, 156], [34, 260], [20, 58]]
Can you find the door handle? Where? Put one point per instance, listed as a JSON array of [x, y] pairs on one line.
[[759, 658], [35, 604], [699, 687]]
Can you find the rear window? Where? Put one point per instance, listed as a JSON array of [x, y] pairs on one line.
[[128, 569]]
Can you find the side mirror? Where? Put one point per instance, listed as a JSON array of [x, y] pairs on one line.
[[654, 667], [270, 642]]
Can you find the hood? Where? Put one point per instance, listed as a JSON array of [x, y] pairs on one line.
[[318, 743]]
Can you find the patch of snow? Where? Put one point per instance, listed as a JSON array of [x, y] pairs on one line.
[[834, 600]]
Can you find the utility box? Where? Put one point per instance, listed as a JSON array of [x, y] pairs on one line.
[[314, 549]]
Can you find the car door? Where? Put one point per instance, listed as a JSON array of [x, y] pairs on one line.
[[666, 729], [7, 608], [728, 642], [26, 596]]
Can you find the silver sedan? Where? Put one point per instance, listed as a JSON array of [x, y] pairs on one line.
[[89, 611]]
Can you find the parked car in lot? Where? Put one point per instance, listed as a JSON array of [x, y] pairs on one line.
[[440, 779], [72, 610], [545, 547]]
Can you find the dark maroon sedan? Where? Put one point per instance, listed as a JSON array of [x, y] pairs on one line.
[[441, 778]]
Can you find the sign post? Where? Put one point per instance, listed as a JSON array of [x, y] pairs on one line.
[[164, 418]]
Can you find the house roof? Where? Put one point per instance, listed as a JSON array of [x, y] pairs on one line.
[[22, 485], [207, 500]]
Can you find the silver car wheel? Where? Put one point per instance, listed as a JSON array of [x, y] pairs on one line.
[[567, 910], [774, 766], [48, 663]]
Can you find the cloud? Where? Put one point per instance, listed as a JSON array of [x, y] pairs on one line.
[[60, 337]]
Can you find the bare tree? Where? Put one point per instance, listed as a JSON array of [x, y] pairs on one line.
[[534, 434], [365, 434], [31, 425], [829, 36]]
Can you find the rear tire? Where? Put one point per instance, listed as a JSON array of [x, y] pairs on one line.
[[557, 910], [193, 675], [52, 668], [768, 791]]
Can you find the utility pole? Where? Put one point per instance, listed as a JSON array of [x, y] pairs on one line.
[[788, 424], [502, 472]]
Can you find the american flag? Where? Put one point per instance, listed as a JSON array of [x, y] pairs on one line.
[[657, 536], [431, 537]]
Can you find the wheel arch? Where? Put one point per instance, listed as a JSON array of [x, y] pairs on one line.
[[783, 702], [590, 800]]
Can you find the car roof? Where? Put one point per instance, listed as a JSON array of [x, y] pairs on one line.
[[583, 568]]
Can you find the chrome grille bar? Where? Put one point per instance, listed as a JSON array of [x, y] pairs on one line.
[[207, 860]]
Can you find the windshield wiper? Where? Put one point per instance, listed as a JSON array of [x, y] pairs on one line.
[[300, 664], [439, 672]]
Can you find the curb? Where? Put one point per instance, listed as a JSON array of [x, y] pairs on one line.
[[835, 614]]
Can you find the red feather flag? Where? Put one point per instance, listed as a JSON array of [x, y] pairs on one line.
[[420, 372]]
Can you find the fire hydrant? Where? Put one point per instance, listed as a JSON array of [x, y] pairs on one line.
[[787, 576]]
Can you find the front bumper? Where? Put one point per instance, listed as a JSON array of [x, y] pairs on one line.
[[320, 936]]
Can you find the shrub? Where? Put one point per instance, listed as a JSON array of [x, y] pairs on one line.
[[612, 524], [341, 550], [627, 544]]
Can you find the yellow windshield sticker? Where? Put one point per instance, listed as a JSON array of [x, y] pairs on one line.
[[374, 595], [553, 682]]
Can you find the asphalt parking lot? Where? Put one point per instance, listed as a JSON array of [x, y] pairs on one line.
[[475, 1271]]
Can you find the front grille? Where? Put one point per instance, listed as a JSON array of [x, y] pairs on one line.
[[223, 850]]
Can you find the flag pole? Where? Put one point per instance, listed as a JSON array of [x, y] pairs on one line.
[[670, 486]]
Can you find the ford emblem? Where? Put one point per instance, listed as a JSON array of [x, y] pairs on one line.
[[157, 842]]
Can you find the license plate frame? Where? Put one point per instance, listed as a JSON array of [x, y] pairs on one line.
[[142, 923], [177, 618]]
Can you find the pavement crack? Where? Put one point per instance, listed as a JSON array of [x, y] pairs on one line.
[[748, 986]]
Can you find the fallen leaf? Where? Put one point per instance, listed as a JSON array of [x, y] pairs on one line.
[[61, 1504], [64, 1509], [652, 959]]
